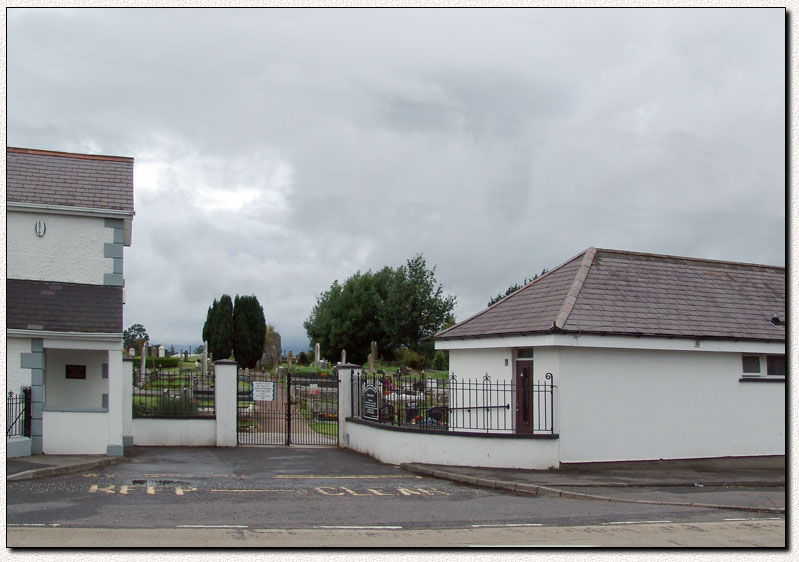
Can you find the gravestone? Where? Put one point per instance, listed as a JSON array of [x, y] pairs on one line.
[[316, 355]]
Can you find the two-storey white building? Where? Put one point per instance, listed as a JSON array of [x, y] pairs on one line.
[[69, 217]]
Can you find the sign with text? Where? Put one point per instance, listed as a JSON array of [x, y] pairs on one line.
[[370, 408], [263, 391]]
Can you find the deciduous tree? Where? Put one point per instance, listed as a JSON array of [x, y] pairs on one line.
[[135, 337], [398, 308]]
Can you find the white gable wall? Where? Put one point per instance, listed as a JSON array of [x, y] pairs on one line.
[[72, 249], [657, 398], [473, 364], [17, 377], [647, 404]]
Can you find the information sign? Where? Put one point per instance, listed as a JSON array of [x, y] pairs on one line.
[[263, 391]]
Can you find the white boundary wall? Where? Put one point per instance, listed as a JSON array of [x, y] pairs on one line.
[[396, 447], [75, 433], [176, 432]]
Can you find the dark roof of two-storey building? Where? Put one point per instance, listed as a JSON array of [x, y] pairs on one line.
[[63, 179], [612, 292]]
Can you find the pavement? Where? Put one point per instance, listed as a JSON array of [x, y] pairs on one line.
[[753, 484], [42, 466]]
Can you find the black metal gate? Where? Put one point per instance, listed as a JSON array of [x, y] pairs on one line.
[[288, 409]]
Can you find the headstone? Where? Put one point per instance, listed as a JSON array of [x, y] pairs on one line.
[[370, 410], [143, 364], [205, 358], [316, 355], [289, 357], [371, 364], [132, 352], [161, 351]]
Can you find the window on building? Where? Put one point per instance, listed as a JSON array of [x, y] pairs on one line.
[[751, 364], [524, 353], [775, 365]]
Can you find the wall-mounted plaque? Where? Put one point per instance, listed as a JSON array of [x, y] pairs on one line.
[[370, 410], [76, 371]]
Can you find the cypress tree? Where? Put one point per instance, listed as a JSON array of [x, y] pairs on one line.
[[249, 330]]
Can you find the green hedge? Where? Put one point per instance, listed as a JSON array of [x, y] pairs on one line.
[[158, 362]]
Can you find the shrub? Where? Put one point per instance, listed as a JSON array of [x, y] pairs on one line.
[[158, 362], [414, 360], [441, 361]]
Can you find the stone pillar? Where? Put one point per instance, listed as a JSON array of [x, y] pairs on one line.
[[226, 391], [344, 372], [127, 401], [316, 356], [343, 356], [205, 358], [35, 362], [116, 403]]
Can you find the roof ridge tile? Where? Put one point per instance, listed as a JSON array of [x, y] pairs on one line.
[[574, 290]]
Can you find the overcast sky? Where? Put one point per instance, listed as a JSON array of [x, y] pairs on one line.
[[278, 150]]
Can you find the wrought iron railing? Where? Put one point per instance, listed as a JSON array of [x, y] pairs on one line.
[[180, 394], [453, 404], [18, 414]]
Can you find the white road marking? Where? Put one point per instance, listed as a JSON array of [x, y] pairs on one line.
[[212, 526], [754, 519], [358, 527], [496, 525], [258, 491], [350, 477], [632, 522], [535, 546]]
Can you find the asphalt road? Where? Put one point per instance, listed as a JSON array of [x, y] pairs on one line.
[[307, 489]]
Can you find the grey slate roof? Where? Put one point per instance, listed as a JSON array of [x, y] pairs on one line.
[[63, 307], [628, 293], [71, 180]]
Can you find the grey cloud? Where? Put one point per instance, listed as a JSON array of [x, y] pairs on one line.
[[277, 150]]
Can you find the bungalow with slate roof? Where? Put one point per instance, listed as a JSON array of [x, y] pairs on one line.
[[68, 219], [652, 357]]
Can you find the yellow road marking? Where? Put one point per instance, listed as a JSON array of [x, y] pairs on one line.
[[256, 491]]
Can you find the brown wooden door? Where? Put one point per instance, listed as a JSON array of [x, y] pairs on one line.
[[524, 396]]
